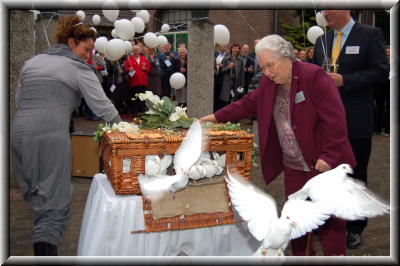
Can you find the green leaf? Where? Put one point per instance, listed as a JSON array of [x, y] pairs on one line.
[[101, 125], [184, 124], [145, 117], [167, 103], [248, 130], [175, 124], [174, 104], [150, 104], [164, 109]]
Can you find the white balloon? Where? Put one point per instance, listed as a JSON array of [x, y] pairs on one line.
[[110, 10], [100, 43], [128, 46], [321, 20], [138, 23], [114, 33], [221, 34], [162, 40], [177, 80], [115, 48], [143, 14], [125, 29], [81, 14], [151, 40], [165, 28], [96, 19], [313, 33], [108, 57]]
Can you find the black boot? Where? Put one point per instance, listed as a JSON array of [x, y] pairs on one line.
[[43, 248]]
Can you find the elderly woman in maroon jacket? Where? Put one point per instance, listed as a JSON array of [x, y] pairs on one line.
[[302, 128]]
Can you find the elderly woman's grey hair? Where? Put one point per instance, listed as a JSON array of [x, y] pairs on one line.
[[135, 47], [277, 44], [182, 48]]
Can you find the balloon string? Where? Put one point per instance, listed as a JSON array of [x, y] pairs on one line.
[[45, 33], [247, 22]]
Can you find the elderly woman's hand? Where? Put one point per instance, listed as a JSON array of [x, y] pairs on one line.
[[183, 70], [208, 118], [131, 69], [322, 166]]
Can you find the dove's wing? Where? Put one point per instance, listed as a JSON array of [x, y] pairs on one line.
[[165, 163], [190, 149], [307, 215], [360, 201], [258, 209], [152, 185]]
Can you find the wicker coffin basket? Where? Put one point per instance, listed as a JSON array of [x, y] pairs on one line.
[[118, 148]]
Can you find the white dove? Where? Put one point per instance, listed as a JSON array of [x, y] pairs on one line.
[[151, 164], [187, 154], [259, 209], [164, 164], [221, 160], [197, 172], [348, 197]]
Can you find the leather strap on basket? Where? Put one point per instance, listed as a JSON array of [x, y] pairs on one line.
[[146, 142], [225, 138]]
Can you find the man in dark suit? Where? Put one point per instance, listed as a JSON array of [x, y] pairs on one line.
[[362, 66], [219, 79]]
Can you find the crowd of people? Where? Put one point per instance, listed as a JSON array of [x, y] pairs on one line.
[[142, 69]]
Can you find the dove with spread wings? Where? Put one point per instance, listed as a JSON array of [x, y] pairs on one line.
[[260, 211], [349, 198], [187, 154]]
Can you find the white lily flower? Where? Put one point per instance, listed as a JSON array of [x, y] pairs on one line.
[[115, 127], [150, 112], [173, 117], [142, 96], [109, 131], [161, 102], [123, 126], [135, 129], [105, 129]]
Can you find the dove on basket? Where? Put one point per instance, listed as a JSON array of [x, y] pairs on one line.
[[259, 210], [187, 154]]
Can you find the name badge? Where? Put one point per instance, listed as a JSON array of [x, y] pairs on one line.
[[352, 49], [299, 97]]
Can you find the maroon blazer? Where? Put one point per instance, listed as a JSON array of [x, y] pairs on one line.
[[318, 122]]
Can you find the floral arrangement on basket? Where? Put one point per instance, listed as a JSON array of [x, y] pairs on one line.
[[163, 113], [121, 126]]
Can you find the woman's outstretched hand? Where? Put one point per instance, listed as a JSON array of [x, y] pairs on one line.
[[208, 118]]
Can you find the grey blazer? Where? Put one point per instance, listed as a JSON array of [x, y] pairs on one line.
[[98, 62], [227, 83]]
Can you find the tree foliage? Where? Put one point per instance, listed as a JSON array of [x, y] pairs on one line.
[[298, 35]]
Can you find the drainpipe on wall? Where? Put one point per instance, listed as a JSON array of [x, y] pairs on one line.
[[276, 21]]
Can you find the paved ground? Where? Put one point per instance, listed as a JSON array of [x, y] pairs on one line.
[[376, 237]]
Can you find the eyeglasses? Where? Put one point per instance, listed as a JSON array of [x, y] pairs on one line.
[[269, 67]]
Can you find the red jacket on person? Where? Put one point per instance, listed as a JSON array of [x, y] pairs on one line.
[[140, 76], [317, 118]]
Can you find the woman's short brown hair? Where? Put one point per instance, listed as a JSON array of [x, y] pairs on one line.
[[234, 45], [72, 27]]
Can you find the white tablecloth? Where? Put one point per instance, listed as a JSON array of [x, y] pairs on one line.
[[109, 219]]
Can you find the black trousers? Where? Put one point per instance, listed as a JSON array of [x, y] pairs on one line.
[[382, 114], [362, 151], [218, 82], [137, 105], [166, 85]]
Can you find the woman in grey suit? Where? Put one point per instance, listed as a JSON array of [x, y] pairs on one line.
[[233, 71], [49, 89]]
